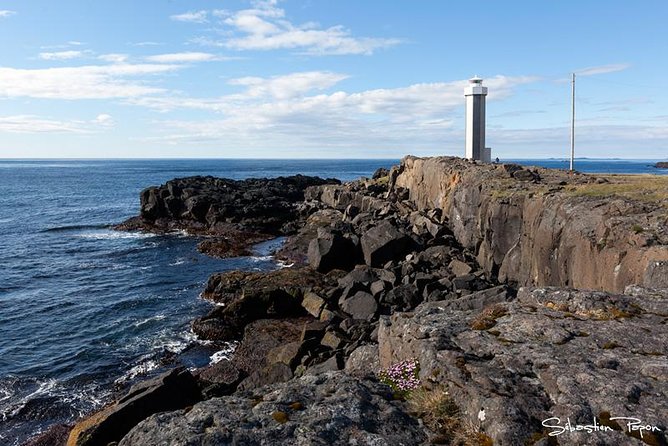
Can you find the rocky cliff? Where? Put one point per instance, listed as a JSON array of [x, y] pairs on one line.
[[546, 227], [422, 264]]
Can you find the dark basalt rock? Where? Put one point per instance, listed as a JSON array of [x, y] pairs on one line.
[[331, 250], [328, 408], [380, 173], [262, 204], [384, 242], [249, 296], [661, 165], [360, 306], [238, 213], [172, 390], [221, 378]]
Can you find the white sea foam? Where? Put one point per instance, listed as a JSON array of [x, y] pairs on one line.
[[113, 235], [282, 264], [179, 261], [225, 353], [158, 317], [138, 370], [262, 258], [44, 388]]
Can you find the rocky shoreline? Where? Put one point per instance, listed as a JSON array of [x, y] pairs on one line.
[[462, 268]]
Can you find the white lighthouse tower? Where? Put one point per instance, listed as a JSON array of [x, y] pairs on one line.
[[475, 121]]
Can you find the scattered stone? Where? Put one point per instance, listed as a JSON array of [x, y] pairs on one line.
[[331, 365], [460, 268], [327, 315], [384, 242], [313, 304], [332, 340], [331, 251], [221, 378], [360, 306]]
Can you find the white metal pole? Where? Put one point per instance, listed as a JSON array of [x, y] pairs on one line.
[[572, 121]]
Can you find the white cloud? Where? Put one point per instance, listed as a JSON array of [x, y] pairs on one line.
[[146, 43], [6, 13], [289, 86], [602, 69], [113, 57], [191, 17], [297, 111], [63, 55], [105, 120], [84, 82], [183, 57], [264, 27], [36, 124]]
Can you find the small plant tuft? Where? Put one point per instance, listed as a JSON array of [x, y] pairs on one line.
[[296, 406], [487, 318], [280, 417]]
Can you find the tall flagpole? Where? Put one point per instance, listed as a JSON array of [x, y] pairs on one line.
[[572, 120]]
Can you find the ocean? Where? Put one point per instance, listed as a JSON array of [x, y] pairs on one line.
[[85, 310]]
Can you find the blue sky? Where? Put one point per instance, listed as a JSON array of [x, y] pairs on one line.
[[328, 78]]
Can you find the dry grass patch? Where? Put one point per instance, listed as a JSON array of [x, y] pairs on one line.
[[645, 188], [439, 413], [487, 317]]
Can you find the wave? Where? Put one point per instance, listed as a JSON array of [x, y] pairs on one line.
[[158, 317], [18, 395], [75, 228]]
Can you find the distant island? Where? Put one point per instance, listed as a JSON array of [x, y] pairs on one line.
[[661, 165]]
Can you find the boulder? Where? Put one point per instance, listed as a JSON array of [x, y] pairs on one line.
[[384, 242], [332, 340], [549, 352], [256, 349], [362, 305], [460, 268], [363, 362], [331, 250], [402, 297], [380, 173], [328, 408], [250, 296], [277, 372], [172, 390], [313, 304], [330, 365], [220, 378]]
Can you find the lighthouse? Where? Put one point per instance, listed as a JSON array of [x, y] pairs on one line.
[[475, 121]]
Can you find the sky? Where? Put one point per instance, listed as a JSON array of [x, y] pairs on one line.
[[329, 78]]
